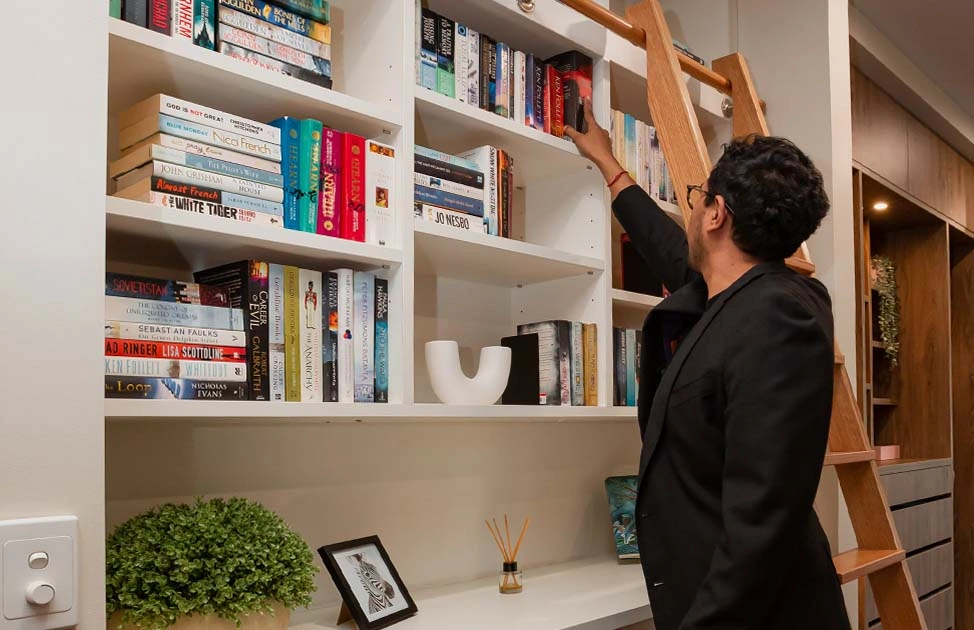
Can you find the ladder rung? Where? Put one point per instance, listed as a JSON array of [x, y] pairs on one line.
[[839, 358], [850, 457], [801, 266], [856, 563]]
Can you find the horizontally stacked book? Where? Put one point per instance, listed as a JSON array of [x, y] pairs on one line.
[[471, 192], [289, 173], [473, 68], [250, 330], [636, 146], [627, 351], [553, 363], [290, 37]]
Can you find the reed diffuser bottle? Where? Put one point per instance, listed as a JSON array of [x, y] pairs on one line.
[[510, 580]]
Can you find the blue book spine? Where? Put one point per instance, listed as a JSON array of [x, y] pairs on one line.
[[309, 175], [143, 311], [149, 388], [381, 340], [278, 16], [630, 367], [529, 63], [244, 202], [235, 170], [204, 23], [291, 165], [433, 154], [448, 200]]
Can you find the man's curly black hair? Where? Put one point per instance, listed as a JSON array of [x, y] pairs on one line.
[[775, 192]]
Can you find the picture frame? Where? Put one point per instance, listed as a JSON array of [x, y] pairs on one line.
[[373, 593]]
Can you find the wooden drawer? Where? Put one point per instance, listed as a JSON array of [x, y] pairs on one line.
[[914, 485], [937, 610], [931, 570], [925, 524]]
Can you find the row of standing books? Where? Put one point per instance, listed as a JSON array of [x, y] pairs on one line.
[[553, 363], [636, 146], [627, 350], [291, 37], [473, 191], [290, 173], [249, 330], [475, 69]]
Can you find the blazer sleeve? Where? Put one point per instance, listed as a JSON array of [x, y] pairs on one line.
[[658, 239], [778, 381]]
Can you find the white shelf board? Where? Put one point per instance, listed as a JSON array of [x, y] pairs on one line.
[[454, 127], [594, 594], [630, 299], [493, 260], [337, 413], [202, 240], [143, 63]]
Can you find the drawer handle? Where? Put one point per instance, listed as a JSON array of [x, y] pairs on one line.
[[526, 5]]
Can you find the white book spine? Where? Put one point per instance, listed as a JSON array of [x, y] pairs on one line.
[[217, 153], [451, 219], [363, 336], [275, 331], [380, 190], [174, 368], [438, 183], [187, 175], [178, 108], [473, 67], [174, 334], [276, 50], [461, 52], [346, 361], [309, 288], [274, 33], [125, 309], [578, 366], [165, 200], [182, 20], [519, 71], [485, 158]]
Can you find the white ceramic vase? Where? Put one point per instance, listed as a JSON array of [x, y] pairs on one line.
[[453, 387]]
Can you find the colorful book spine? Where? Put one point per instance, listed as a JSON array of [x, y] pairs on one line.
[[450, 218], [630, 131], [590, 360], [461, 50], [363, 335], [310, 308], [171, 350], [330, 198], [191, 160], [292, 336], [502, 94], [199, 114], [381, 340], [447, 200], [529, 64], [274, 65], [155, 123], [351, 223], [309, 174], [248, 284], [619, 366], [115, 9], [159, 18], [148, 388], [196, 176], [427, 61], [291, 165], [473, 67], [204, 23], [511, 71], [279, 16], [508, 171], [346, 348], [174, 334], [172, 314], [540, 98], [124, 285], [441, 183], [556, 103], [274, 50], [445, 69], [273, 33], [209, 208], [575, 70], [630, 367], [485, 159], [577, 366], [488, 69], [520, 69], [423, 155], [275, 332], [329, 338], [380, 194], [133, 156], [317, 10], [639, 359], [174, 368]]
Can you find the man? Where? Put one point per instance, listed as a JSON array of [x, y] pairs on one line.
[[736, 394]]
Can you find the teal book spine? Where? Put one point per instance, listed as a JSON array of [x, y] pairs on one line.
[[204, 23], [291, 166], [445, 70], [317, 10], [115, 8], [309, 174]]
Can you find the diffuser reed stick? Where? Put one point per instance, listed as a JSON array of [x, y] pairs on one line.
[[511, 582]]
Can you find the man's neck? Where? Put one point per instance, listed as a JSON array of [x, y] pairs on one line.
[[722, 271]]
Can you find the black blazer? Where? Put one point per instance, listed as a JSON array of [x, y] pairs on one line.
[[734, 410]]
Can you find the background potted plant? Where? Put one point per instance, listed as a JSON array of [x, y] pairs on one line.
[[214, 564]]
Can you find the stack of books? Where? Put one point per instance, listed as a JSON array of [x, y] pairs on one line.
[[636, 146], [553, 363], [312, 336], [627, 346], [472, 192], [166, 339], [473, 68]]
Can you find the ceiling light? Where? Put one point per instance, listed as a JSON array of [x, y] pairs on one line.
[[880, 205]]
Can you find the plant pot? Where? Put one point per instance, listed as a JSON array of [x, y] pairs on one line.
[[259, 621]]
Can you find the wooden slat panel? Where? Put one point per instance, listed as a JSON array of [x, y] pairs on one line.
[[931, 570], [924, 179], [915, 485], [925, 524], [969, 186], [879, 130], [953, 171], [937, 610]]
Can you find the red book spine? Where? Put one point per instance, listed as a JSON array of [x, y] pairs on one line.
[[351, 223], [557, 102], [548, 110], [160, 17], [330, 198], [175, 351]]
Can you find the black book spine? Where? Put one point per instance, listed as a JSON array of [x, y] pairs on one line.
[[450, 172], [491, 75], [329, 336], [619, 366], [539, 79], [136, 12], [381, 340], [160, 16], [485, 46]]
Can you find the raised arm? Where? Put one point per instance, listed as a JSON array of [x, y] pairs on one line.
[[657, 238]]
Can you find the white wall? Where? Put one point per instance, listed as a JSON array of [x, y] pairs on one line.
[[51, 252]]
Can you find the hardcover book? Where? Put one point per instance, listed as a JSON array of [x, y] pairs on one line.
[[309, 174], [174, 334], [445, 69], [279, 16], [317, 10], [124, 285], [160, 16], [577, 366], [330, 197], [200, 114], [143, 311], [450, 218], [199, 177], [523, 383], [488, 72], [174, 156], [575, 70], [155, 123], [275, 332], [274, 65], [309, 323], [346, 348], [380, 194], [555, 107], [204, 23], [248, 284], [502, 93], [619, 366], [291, 149], [518, 87], [363, 335], [134, 156], [554, 347], [136, 12], [461, 52], [149, 388], [530, 63], [473, 67], [273, 33], [351, 223], [381, 340], [292, 334], [590, 358], [427, 63], [176, 368], [631, 367], [622, 492], [329, 337], [142, 192]]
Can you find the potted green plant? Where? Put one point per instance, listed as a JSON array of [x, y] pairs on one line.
[[211, 565]]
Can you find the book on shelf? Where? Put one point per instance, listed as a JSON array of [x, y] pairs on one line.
[[564, 364], [427, 64], [135, 155], [290, 129], [590, 360], [346, 348], [329, 337], [280, 16], [309, 334], [380, 194], [275, 332], [575, 70], [169, 388], [309, 165], [524, 380], [381, 340], [190, 130], [351, 221], [275, 50], [626, 357], [204, 23], [636, 145], [461, 50], [198, 177], [330, 189], [292, 334], [195, 199], [196, 113], [155, 152], [449, 218], [274, 65], [445, 69], [363, 336], [276, 34]]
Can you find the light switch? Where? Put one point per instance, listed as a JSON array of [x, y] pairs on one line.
[[38, 567]]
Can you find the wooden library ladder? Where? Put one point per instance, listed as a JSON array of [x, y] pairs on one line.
[[880, 556]]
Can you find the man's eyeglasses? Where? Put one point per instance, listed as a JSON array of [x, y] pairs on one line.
[[705, 193]]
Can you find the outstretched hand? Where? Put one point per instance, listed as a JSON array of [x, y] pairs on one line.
[[595, 143]]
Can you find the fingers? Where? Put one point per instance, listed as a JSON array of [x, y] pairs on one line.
[[571, 133], [589, 116]]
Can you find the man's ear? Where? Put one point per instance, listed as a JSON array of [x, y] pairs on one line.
[[717, 215]]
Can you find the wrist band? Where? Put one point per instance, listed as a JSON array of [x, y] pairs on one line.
[[616, 178]]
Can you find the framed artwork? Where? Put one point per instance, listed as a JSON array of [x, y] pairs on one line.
[[622, 511], [371, 588]]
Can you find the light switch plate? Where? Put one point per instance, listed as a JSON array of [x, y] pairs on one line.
[[55, 536]]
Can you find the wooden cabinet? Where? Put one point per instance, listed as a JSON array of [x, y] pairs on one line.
[[879, 131]]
